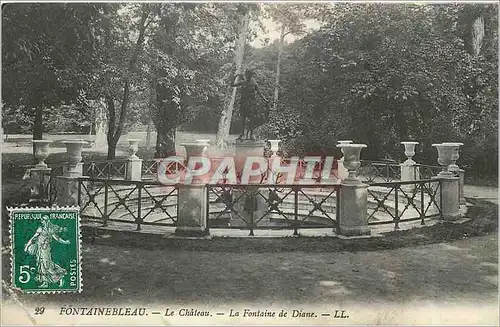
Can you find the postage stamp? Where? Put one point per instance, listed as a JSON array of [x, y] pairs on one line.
[[45, 249]]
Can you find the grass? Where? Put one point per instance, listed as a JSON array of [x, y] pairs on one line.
[[481, 180]]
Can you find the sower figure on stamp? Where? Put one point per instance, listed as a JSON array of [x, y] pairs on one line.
[[248, 103], [39, 245]]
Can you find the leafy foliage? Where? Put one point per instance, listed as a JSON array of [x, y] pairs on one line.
[[380, 74], [189, 53], [47, 56], [375, 73]]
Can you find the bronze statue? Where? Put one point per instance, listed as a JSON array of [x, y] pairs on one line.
[[248, 103]]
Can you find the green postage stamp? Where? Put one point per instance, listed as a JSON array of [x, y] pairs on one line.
[[45, 249]]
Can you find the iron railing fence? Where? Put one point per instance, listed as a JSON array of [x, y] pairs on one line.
[[260, 206], [273, 206], [107, 200], [378, 171], [426, 171], [396, 202], [109, 197], [106, 169], [150, 167]]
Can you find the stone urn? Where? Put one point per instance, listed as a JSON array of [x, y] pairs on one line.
[[41, 152], [133, 148], [352, 154], [456, 154], [343, 142], [409, 152], [205, 143], [446, 153], [74, 150], [274, 146], [196, 149]]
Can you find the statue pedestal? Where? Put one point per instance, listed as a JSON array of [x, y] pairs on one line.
[[409, 172], [449, 200], [192, 211], [134, 169], [249, 206], [353, 209]]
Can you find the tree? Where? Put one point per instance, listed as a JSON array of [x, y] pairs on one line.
[[188, 54], [372, 74], [227, 113], [119, 36], [290, 19], [47, 56]]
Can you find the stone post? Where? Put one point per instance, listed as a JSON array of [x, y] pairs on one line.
[[409, 169], [134, 163], [353, 195], [38, 175], [67, 190], [457, 171], [250, 206], [449, 198], [192, 207], [342, 172]]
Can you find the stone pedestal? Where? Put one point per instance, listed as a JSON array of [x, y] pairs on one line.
[[192, 206], [246, 149], [409, 172], [134, 169], [247, 203], [67, 191], [353, 209], [192, 212], [460, 173], [73, 171], [449, 199]]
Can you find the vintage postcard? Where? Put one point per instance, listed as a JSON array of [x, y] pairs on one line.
[[249, 163]]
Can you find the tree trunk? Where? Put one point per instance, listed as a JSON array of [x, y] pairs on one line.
[[148, 134], [278, 64], [110, 104], [227, 113], [37, 127], [114, 135], [477, 35], [165, 143]]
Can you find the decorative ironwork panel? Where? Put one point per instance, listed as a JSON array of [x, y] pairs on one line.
[[276, 206], [105, 169], [395, 202], [378, 172]]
